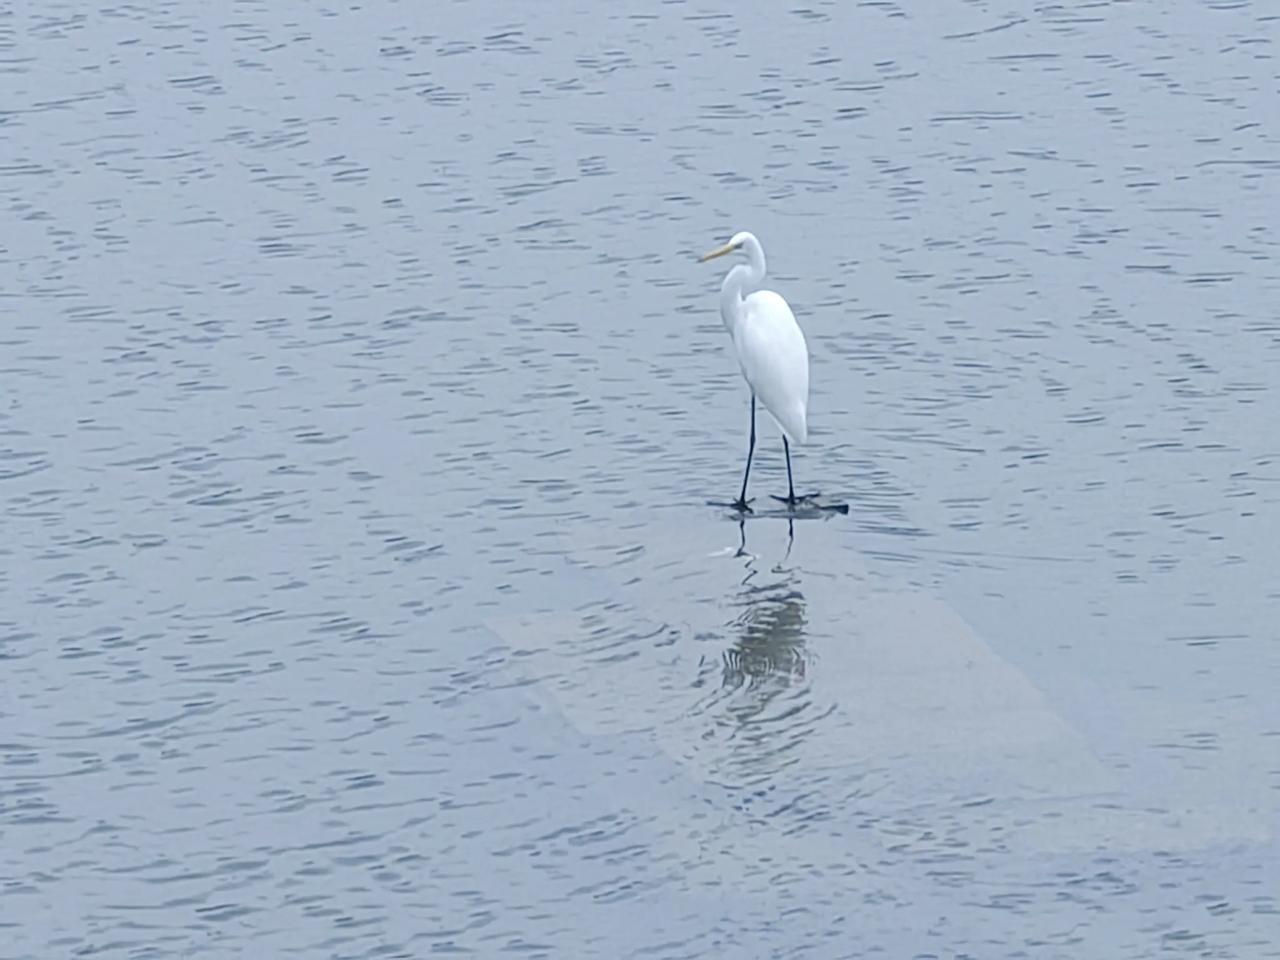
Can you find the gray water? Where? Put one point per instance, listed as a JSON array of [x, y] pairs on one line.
[[362, 399]]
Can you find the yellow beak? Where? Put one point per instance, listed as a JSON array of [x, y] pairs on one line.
[[717, 252]]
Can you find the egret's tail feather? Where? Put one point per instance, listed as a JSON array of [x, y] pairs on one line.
[[793, 423]]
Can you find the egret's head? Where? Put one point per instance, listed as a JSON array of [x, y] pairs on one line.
[[735, 243]]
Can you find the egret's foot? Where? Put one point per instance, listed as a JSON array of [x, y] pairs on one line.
[[742, 506], [794, 502]]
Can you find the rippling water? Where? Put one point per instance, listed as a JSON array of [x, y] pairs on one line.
[[361, 399]]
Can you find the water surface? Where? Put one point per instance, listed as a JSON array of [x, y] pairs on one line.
[[361, 400]]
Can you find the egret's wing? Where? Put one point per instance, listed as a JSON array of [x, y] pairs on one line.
[[775, 361]]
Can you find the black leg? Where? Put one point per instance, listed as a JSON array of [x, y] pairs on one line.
[[791, 499], [791, 489], [742, 503]]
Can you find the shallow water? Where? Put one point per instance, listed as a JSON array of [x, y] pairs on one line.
[[361, 402]]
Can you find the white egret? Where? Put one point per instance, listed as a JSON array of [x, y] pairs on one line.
[[771, 352]]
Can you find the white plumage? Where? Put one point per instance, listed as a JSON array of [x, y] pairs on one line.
[[775, 361]]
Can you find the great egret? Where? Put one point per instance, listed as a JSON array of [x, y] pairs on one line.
[[771, 352]]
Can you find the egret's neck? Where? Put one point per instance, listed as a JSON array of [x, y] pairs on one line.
[[732, 293], [740, 281]]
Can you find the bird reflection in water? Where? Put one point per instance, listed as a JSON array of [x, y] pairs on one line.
[[769, 649], [767, 657], [761, 708]]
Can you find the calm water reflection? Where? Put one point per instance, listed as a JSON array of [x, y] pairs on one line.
[[361, 400]]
